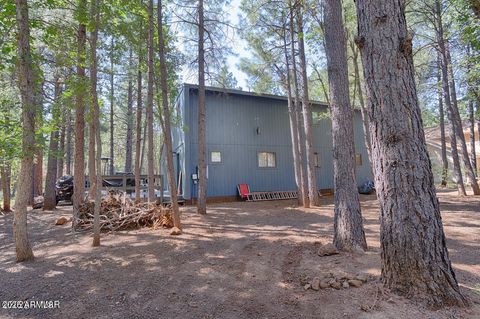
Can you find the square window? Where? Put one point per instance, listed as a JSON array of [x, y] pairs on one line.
[[358, 159], [266, 159], [316, 159], [215, 157]]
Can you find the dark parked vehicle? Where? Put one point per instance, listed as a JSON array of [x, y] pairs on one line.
[[64, 185]]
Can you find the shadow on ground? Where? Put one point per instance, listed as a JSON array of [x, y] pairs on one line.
[[242, 260]]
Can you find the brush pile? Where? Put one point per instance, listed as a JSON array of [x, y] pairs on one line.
[[119, 212]]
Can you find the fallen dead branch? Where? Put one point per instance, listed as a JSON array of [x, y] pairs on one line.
[[119, 212]]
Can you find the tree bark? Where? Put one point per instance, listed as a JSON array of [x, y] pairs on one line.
[[292, 116], [202, 152], [303, 178], [112, 104], [95, 173], [68, 147], [150, 155], [458, 126], [26, 85], [473, 153], [49, 196], [471, 113], [348, 225], [415, 260], [144, 142], [38, 171], [167, 131], [307, 114], [6, 171], [50, 200], [129, 141], [363, 109], [61, 146], [79, 156], [457, 170], [138, 128], [442, 130], [91, 138]]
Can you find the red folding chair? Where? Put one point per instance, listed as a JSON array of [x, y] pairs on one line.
[[244, 192]]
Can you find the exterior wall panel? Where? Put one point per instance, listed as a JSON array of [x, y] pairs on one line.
[[240, 126]]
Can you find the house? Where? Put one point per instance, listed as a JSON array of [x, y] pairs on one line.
[[467, 134], [248, 141], [434, 147]]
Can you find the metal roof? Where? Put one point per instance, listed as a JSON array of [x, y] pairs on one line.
[[245, 93]]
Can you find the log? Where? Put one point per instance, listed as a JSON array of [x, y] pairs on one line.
[[118, 212]]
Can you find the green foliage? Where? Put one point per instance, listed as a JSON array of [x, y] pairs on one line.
[[226, 79], [10, 128], [7, 32], [264, 24]]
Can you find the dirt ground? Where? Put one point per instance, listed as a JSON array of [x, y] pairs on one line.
[[242, 260]]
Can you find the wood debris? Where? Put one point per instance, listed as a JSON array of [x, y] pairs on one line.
[[119, 212]]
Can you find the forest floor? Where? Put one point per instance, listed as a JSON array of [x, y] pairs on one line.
[[242, 260]]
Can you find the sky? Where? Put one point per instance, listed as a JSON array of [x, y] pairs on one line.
[[239, 47]]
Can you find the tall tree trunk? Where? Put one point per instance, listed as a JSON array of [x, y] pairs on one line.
[[112, 104], [91, 142], [26, 85], [473, 153], [79, 156], [458, 126], [363, 109], [348, 225], [322, 84], [95, 120], [307, 114], [38, 171], [457, 171], [138, 125], [292, 116], [6, 171], [202, 114], [50, 200], [144, 143], [300, 133], [129, 142], [414, 255], [442, 129], [167, 131], [150, 159], [61, 146], [38, 156], [471, 113], [68, 146], [478, 129]]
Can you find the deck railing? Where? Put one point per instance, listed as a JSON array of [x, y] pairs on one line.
[[126, 183]]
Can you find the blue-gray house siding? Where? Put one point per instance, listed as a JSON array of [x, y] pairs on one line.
[[240, 125]]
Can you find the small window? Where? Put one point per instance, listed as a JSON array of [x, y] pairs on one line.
[[266, 159], [216, 157], [316, 117], [358, 159], [316, 159]]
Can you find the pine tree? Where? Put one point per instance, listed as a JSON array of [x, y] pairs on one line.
[[414, 253]]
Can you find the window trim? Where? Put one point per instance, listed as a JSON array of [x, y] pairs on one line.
[[317, 160], [214, 162], [267, 167], [358, 159]]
